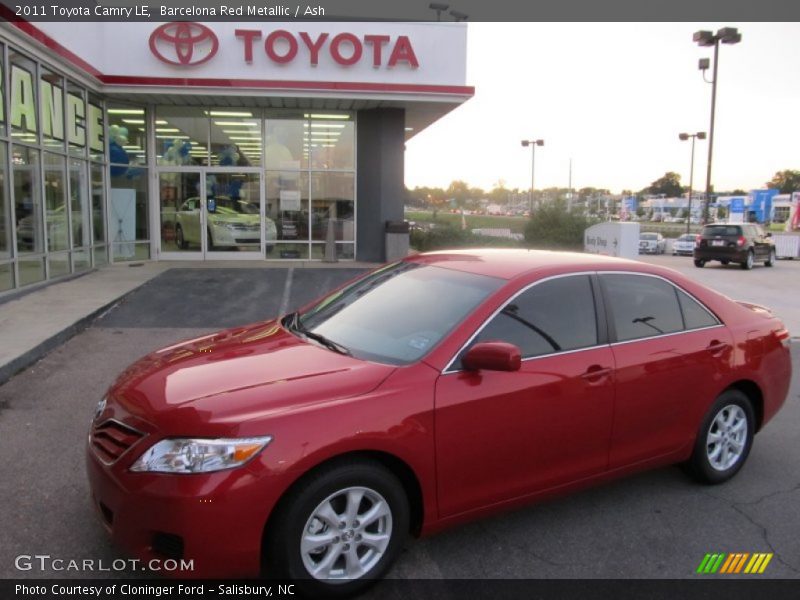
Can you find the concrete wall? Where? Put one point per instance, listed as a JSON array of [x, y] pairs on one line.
[[380, 185]]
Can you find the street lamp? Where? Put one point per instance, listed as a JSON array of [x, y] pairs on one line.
[[700, 135], [532, 144], [439, 8], [726, 35]]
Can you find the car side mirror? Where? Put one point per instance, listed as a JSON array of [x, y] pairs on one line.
[[492, 356]]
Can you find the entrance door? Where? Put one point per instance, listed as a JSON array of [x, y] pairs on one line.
[[207, 215]]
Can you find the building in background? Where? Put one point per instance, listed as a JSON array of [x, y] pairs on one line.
[[140, 141]]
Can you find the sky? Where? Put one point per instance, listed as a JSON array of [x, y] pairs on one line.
[[613, 97]]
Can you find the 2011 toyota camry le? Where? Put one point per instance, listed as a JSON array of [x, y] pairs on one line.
[[428, 392]]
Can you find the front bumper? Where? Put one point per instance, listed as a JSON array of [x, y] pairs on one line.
[[216, 520]]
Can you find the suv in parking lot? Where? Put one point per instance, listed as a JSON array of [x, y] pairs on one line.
[[743, 243]]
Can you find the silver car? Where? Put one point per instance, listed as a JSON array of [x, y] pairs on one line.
[[652, 243]]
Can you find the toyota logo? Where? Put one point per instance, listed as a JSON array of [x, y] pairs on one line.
[[183, 44]]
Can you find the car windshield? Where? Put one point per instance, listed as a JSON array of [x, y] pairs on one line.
[[712, 230], [686, 237], [649, 236], [397, 314]]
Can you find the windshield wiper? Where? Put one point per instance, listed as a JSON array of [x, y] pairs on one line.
[[293, 323]]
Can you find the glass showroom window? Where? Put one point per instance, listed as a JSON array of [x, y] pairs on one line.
[[181, 137], [6, 267], [98, 214], [128, 210], [28, 213], [310, 181], [235, 138], [80, 213], [56, 219], [51, 104]]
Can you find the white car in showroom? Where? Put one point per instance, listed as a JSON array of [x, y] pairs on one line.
[[232, 223]]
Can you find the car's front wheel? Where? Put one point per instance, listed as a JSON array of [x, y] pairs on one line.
[[180, 240], [340, 529], [772, 258], [724, 439]]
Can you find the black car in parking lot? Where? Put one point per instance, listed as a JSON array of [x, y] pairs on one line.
[[744, 243]]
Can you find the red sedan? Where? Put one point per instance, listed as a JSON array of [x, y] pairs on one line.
[[426, 393]]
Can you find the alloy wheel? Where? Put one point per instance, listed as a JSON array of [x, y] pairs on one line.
[[346, 535], [727, 437]]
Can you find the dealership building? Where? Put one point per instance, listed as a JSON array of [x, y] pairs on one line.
[[204, 141]]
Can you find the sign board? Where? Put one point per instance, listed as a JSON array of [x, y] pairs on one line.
[[290, 200], [612, 239]]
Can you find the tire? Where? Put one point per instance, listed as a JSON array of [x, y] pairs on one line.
[[180, 241], [770, 262], [720, 453], [699, 263], [748, 262], [312, 509], [211, 246]]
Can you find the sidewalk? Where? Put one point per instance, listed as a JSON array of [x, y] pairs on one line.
[[36, 322]]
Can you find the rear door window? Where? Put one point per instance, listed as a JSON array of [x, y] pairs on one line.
[[641, 306]]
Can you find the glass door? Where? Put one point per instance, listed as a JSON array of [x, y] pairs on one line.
[[208, 215], [233, 215], [182, 218]]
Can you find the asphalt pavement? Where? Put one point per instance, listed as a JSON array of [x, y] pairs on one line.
[[655, 525]]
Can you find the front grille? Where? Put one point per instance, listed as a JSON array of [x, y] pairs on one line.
[[111, 439], [168, 545]]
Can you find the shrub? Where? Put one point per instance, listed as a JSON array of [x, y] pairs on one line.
[[443, 238], [554, 227]]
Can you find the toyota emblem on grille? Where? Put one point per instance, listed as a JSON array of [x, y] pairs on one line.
[[184, 44]]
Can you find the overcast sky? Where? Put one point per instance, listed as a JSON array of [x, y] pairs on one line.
[[614, 97]]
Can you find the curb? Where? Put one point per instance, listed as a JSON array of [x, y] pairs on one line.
[[22, 362]]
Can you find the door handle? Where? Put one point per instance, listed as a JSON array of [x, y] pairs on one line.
[[716, 347], [596, 373]]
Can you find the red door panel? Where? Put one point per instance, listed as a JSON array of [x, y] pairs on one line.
[[502, 435], [664, 386]]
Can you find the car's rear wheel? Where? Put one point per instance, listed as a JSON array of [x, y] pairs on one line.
[[699, 263], [748, 261], [772, 258], [724, 440], [340, 530], [180, 241]]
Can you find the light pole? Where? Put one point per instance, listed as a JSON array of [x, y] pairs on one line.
[[700, 135], [439, 8], [532, 144], [726, 35]]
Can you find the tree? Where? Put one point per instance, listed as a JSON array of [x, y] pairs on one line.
[[552, 226], [669, 185], [459, 192], [786, 181]]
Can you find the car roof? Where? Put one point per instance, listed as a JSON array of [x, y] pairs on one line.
[[509, 263]]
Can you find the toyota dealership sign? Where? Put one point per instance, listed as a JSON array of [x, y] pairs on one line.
[[189, 44], [427, 57]]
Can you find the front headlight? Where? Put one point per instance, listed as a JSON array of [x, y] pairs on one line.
[[184, 455]]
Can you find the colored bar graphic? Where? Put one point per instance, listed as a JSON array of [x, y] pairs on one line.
[[734, 563]]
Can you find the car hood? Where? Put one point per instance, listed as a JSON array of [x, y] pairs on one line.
[[233, 217], [234, 376]]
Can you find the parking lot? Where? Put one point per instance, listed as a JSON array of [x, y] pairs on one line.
[[655, 525]]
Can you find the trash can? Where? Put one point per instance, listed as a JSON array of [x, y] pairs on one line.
[[397, 243]]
